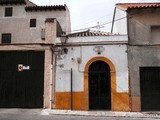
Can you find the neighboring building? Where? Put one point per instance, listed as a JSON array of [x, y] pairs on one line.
[[143, 25], [28, 33], [92, 73]]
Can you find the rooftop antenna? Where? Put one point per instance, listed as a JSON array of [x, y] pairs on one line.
[[98, 26]]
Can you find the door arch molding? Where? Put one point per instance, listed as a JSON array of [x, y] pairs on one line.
[[86, 79]]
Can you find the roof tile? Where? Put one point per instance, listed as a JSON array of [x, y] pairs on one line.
[[127, 6], [6, 2], [41, 8], [89, 33]]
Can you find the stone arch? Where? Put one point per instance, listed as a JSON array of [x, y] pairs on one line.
[[86, 79]]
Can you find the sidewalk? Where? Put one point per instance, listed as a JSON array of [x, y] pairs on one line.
[[102, 113]]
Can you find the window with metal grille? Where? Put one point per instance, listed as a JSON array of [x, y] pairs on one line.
[[6, 38], [8, 12], [32, 22]]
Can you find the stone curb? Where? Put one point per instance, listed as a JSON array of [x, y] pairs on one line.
[[102, 113]]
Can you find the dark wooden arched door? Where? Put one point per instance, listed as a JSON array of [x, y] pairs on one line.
[[99, 86]]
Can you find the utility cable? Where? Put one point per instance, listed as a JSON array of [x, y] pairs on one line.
[[93, 20], [99, 25]]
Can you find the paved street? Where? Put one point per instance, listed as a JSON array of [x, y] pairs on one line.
[[36, 114], [62, 117]]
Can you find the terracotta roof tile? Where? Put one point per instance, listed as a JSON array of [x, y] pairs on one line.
[[6, 2], [89, 33], [50, 20], [44, 8], [127, 6]]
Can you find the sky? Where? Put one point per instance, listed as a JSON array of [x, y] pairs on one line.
[[89, 13]]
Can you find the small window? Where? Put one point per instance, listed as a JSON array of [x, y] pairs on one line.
[[32, 22], [6, 38], [8, 12], [155, 33], [43, 34]]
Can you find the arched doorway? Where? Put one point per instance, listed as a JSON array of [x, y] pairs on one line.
[[99, 86], [86, 80]]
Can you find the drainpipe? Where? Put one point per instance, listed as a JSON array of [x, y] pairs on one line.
[[51, 78], [51, 85], [71, 95], [55, 64]]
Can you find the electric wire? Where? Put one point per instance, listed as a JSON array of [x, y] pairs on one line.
[[142, 1], [100, 24], [93, 20], [87, 28], [110, 22]]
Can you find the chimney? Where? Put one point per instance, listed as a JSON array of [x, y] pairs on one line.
[[50, 30]]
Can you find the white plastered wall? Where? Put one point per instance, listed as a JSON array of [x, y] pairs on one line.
[[116, 53]]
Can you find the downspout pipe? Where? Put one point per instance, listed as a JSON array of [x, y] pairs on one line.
[[71, 92], [51, 85], [51, 79]]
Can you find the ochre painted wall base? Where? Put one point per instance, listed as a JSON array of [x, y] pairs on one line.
[[63, 100], [120, 101]]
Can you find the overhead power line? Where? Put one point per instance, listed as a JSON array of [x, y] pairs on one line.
[[99, 25], [141, 1], [93, 20]]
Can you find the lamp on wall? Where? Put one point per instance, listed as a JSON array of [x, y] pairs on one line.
[[60, 49], [64, 39]]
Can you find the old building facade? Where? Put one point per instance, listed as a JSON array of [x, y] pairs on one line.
[[90, 70], [141, 23], [93, 74], [28, 34]]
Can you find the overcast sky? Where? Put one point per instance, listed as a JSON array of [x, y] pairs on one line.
[[88, 13]]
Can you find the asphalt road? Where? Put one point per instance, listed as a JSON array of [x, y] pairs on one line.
[[62, 117], [13, 114]]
